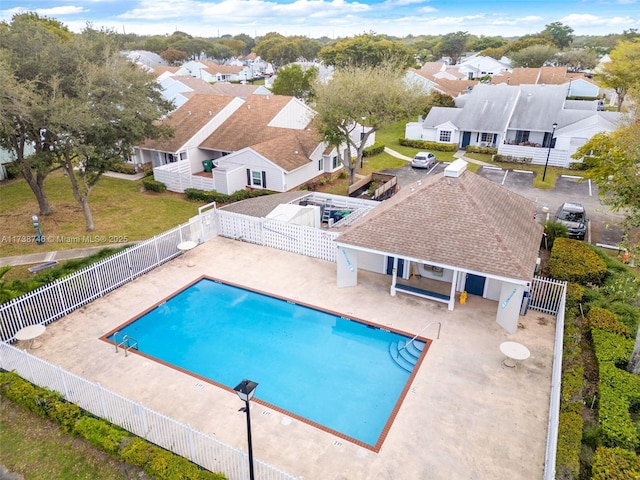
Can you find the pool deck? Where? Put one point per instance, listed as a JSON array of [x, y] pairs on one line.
[[466, 415]]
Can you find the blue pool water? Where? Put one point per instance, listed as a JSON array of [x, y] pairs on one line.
[[319, 366]]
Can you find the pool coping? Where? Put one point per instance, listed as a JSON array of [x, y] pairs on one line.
[[396, 408]]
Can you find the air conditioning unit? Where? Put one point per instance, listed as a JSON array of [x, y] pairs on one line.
[[483, 144]]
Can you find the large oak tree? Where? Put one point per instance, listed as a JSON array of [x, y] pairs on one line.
[[371, 96]]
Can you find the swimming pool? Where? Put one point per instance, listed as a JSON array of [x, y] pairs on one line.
[[320, 367]]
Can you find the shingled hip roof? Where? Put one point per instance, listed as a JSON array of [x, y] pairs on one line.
[[466, 222]]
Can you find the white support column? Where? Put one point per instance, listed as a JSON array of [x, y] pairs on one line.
[[452, 293], [394, 277]]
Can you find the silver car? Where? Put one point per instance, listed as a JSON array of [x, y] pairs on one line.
[[423, 160]]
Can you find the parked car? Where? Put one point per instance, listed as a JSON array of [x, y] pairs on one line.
[[573, 216], [423, 160]]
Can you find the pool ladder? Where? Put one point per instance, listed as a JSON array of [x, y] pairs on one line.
[[126, 342]]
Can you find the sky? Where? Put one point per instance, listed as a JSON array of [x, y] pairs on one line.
[[335, 18]]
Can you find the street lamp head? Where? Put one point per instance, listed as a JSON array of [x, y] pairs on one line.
[[555, 125], [245, 389]]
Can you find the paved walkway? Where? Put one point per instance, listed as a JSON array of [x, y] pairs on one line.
[[55, 256], [124, 176]]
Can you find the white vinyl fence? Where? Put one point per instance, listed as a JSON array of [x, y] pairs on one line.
[[61, 297], [177, 177], [308, 241], [159, 429], [52, 301]]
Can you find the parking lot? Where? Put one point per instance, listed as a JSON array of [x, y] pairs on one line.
[[604, 225]]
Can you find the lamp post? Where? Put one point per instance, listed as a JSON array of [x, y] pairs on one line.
[[544, 173], [245, 390], [362, 142]]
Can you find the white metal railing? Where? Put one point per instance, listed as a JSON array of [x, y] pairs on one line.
[[546, 294], [554, 397], [153, 426], [56, 299]]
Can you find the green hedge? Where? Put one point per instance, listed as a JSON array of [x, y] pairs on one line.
[[512, 159], [123, 168], [154, 185], [573, 261], [157, 462], [479, 149], [423, 145], [374, 149], [603, 319], [619, 391], [615, 464], [213, 196], [570, 423]]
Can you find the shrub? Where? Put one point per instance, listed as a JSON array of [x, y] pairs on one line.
[[153, 185], [572, 261], [127, 168], [374, 149], [480, 149], [213, 196], [627, 314], [13, 170], [611, 347], [423, 145], [100, 434], [554, 230], [575, 294], [512, 159], [615, 464], [569, 440], [604, 319], [617, 426]]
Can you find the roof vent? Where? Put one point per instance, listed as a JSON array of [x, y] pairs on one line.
[[209, 112], [455, 168], [295, 152]]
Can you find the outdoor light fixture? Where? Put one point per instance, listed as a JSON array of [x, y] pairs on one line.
[[245, 390], [544, 173]]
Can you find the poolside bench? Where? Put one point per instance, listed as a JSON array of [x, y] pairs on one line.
[[42, 266], [423, 293]]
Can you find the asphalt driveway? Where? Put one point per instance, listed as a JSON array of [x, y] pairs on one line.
[[604, 224]]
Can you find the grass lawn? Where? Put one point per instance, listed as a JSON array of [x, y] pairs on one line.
[[121, 214], [37, 449]]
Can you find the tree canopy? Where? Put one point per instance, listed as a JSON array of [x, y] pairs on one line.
[[534, 56], [78, 103], [559, 34], [367, 50], [613, 162], [371, 96], [280, 50], [453, 45], [293, 80], [621, 73]]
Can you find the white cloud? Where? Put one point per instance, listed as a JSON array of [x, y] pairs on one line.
[[66, 10], [578, 20]]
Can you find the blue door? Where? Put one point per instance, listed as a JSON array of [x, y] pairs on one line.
[[474, 284], [390, 266], [466, 139]]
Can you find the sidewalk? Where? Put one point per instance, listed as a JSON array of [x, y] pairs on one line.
[[55, 256], [124, 176]]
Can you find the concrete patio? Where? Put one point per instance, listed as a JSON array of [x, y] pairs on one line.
[[466, 416]]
